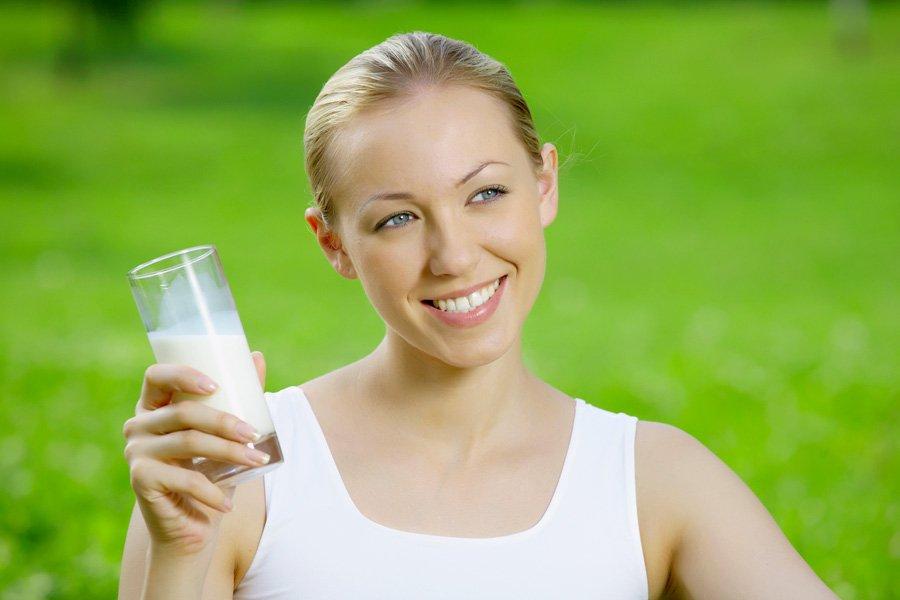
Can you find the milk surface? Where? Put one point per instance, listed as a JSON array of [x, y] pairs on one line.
[[225, 357]]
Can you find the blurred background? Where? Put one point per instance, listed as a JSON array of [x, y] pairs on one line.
[[725, 257]]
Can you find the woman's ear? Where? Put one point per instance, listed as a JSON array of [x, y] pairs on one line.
[[547, 185], [330, 243]]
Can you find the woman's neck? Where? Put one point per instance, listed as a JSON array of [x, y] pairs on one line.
[[453, 410]]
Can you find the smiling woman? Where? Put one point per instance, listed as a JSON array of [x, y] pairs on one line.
[[437, 194], [438, 465]]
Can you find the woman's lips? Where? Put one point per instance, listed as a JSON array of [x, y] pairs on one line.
[[475, 316]]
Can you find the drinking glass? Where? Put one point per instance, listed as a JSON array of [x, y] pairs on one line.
[[190, 317]]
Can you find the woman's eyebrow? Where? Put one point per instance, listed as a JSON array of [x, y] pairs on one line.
[[407, 195], [478, 169]]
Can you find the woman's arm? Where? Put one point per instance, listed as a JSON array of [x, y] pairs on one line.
[[728, 545], [147, 574], [188, 549]]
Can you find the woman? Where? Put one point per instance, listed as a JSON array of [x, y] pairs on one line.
[[439, 466]]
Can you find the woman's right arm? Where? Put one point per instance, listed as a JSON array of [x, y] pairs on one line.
[[174, 547]]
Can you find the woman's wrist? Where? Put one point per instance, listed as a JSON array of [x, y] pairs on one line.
[[175, 574]]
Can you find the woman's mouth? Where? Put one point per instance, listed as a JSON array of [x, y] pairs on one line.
[[469, 310]]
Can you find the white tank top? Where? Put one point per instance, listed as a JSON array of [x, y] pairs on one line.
[[317, 545]]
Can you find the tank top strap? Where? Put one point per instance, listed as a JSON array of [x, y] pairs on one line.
[[305, 458], [288, 488], [604, 492]]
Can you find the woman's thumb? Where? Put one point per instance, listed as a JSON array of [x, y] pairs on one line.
[[260, 363]]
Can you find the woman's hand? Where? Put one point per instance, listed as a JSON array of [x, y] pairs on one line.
[[182, 508]]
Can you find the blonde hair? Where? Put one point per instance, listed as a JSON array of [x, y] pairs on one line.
[[397, 68]]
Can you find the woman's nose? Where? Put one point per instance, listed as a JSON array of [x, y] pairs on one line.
[[452, 251]]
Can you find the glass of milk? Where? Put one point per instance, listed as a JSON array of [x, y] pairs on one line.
[[191, 319]]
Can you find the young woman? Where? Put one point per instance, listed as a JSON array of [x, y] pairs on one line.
[[438, 466]]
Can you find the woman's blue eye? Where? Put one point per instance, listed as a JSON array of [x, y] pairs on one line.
[[499, 189], [392, 217]]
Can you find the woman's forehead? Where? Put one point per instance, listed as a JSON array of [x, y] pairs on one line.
[[434, 136]]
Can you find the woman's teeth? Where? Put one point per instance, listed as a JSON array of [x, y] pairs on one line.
[[467, 303]]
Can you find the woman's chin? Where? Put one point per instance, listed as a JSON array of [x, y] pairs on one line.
[[473, 355]]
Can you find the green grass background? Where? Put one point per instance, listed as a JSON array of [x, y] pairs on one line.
[[725, 257]]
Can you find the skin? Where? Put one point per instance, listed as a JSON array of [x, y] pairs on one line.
[[450, 418]]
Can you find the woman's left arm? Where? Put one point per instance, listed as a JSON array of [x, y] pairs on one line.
[[729, 546]]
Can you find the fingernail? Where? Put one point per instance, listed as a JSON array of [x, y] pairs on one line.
[[207, 384], [246, 431], [227, 504], [257, 456]]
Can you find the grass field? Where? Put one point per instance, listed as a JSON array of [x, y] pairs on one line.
[[725, 257]]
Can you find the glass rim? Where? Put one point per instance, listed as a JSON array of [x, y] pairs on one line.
[[135, 274]]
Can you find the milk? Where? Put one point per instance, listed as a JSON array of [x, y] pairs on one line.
[[226, 359]]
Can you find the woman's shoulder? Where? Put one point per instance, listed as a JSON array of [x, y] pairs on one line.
[[668, 461], [680, 484], [318, 392], [708, 513]]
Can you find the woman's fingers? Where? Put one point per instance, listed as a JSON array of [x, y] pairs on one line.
[[161, 379], [148, 476], [162, 435], [191, 443], [189, 414]]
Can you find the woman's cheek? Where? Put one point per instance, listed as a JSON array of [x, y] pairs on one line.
[[391, 269], [513, 234]]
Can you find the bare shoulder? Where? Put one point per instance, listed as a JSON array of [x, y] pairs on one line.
[[665, 458], [333, 384], [720, 540]]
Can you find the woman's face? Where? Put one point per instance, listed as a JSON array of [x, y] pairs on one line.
[[437, 195]]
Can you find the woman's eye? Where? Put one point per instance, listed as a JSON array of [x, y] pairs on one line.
[[498, 190], [396, 219]]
